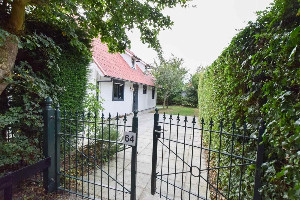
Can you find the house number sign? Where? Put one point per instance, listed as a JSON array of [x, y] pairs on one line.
[[129, 138]]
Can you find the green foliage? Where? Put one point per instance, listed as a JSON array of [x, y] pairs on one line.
[[257, 77], [105, 150], [42, 69], [169, 77], [19, 151], [110, 19], [91, 103], [191, 90]]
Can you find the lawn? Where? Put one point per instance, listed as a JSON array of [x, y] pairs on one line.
[[174, 110]]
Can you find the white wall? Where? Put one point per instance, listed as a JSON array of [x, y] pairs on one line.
[[114, 107], [145, 101]]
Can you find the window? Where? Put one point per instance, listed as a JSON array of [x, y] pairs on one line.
[[118, 90], [153, 92], [144, 89]]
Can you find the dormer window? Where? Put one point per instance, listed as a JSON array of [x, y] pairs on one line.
[[132, 63]]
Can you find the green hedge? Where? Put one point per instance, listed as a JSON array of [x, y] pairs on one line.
[[72, 79], [258, 77]]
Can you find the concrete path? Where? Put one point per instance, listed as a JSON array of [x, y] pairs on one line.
[[119, 177]]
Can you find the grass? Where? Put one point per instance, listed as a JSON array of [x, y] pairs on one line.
[[174, 110]]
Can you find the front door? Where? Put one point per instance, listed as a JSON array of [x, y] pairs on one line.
[[135, 97]]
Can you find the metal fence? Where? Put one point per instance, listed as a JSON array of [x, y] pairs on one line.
[[86, 149], [204, 161]]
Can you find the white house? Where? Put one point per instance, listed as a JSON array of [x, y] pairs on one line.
[[124, 81]]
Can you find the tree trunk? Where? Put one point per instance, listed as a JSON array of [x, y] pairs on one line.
[[164, 104], [17, 17], [9, 49], [8, 54]]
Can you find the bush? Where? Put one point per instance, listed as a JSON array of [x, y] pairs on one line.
[[18, 152], [257, 77]]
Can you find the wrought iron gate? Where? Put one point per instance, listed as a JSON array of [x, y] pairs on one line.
[[84, 149], [192, 161]]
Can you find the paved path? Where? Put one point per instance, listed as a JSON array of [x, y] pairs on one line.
[[144, 164]]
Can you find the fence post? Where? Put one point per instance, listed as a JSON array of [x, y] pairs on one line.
[[49, 145], [154, 152], [134, 157], [259, 162], [57, 146]]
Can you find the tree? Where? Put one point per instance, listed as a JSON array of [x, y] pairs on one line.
[[110, 19], [191, 89], [169, 77]]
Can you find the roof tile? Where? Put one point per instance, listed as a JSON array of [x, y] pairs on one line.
[[113, 65]]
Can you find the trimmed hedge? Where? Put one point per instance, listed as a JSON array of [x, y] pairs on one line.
[[258, 77]]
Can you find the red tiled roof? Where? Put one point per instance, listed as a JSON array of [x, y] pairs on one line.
[[113, 65]]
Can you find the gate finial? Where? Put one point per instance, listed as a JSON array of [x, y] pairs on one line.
[[48, 101]]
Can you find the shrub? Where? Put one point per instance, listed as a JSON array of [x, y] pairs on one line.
[[18, 152], [257, 77]]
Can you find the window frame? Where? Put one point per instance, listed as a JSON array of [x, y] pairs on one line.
[[153, 92], [145, 88], [118, 82]]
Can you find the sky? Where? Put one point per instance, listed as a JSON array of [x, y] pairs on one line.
[[200, 33]]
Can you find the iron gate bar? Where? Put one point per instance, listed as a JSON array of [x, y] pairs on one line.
[[76, 122], [230, 168], [201, 148], [169, 155], [260, 157], [154, 153], [185, 121], [161, 195], [177, 134], [116, 185], [242, 167], [177, 156], [182, 189], [215, 151], [219, 155], [88, 165], [102, 185], [193, 122], [57, 145], [95, 136], [211, 123], [125, 120], [172, 173], [76, 150], [94, 159], [174, 153], [198, 195], [162, 154], [233, 156], [83, 137], [134, 157], [213, 131]]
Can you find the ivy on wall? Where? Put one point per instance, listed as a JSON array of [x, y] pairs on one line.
[[47, 65], [72, 79], [257, 77]]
